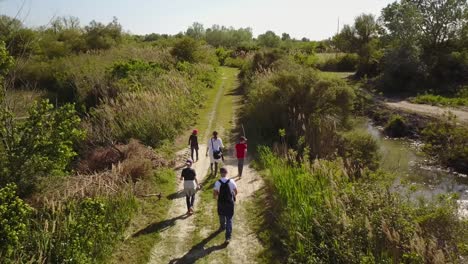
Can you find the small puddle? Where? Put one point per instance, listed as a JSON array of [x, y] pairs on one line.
[[403, 158]]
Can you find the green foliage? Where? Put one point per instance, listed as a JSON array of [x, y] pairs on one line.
[[269, 39], [340, 63], [299, 100], [218, 36], [42, 145], [424, 45], [156, 109], [440, 100], [76, 231], [121, 70], [100, 36], [186, 50], [6, 61], [396, 127], [14, 214], [447, 141], [359, 151], [323, 217], [222, 55]]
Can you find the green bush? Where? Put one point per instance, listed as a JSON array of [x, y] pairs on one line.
[[320, 216], [14, 219], [447, 141], [440, 100], [359, 151], [42, 145], [302, 102], [346, 63], [396, 127]]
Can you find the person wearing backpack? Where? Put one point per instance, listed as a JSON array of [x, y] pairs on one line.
[[190, 185], [225, 191], [214, 150]]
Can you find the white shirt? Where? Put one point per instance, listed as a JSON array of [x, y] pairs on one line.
[[217, 143], [232, 184]]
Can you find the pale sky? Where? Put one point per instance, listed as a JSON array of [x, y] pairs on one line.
[[314, 19]]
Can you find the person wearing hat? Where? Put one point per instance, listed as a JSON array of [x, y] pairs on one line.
[[193, 143], [214, 150], [241, 152], [225, 191], [190, 185]]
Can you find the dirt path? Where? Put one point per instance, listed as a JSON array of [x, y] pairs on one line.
[[428, 109], [194, 239]]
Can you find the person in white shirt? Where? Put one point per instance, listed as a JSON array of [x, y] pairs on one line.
[[214, 150], [225, 191]]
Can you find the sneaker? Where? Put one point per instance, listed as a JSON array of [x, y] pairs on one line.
[[191, 210], [227, 241]]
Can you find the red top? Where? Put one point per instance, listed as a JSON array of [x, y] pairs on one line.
[[241, 150]]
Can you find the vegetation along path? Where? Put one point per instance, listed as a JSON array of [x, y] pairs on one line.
[[193, 239]]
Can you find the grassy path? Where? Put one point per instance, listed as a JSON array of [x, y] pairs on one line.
[[194, 239]]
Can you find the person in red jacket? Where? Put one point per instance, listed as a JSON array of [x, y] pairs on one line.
[[241, 152]]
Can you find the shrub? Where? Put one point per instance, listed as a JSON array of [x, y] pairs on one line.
[[300, 101], [359, 151], [396, 127], [346, 63], [447, 141], [14, 214], [186, 49], [43, 145]]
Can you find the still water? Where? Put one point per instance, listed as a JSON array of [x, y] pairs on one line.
[[404, 158]]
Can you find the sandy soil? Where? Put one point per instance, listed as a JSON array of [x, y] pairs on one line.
[[429, 109]]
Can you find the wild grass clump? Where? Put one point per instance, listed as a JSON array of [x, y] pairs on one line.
[[321, 216], [440, 100], [448, 142], [396, 126]]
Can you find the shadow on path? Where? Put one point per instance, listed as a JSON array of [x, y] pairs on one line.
[[176, 195], [199, 251], [160, 226]]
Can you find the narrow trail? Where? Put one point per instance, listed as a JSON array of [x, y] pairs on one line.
[[193, 239], [429, 110]]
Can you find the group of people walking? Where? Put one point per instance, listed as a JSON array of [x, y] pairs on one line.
[[225, 189]]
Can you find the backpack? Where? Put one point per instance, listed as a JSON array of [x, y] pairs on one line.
[[225, 194]]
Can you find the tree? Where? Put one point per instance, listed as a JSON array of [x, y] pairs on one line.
[[269, 39], [361, 38], [100, 36], [218, 36], [196, 31], [285, 37], [346, 40]]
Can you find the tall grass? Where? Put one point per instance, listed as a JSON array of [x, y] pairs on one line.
[[320, 216]]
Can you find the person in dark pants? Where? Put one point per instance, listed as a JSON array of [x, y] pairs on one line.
[[225, 191], [214, 150], [241, 152], [193, 143], [190, 185]]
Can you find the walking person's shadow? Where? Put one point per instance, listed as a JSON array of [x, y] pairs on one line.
[[160, 226], [199, 251]]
